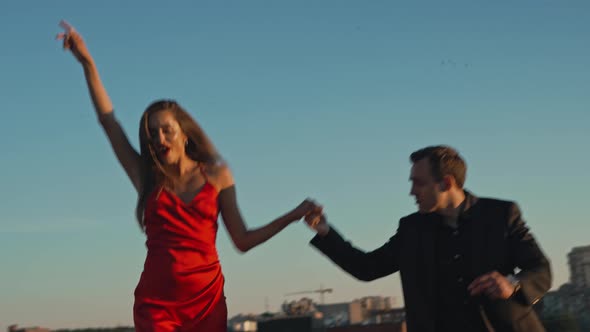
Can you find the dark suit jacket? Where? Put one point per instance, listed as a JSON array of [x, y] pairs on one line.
[[501, 242]]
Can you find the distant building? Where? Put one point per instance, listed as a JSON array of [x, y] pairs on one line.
[[335, 314], [579, 262], [366, 310], [303, 323], [363, 310], [357, 313], [367, 314], [15, 328], [243, 323], [569, 301], [375, 302], [395, 316], [300, 307], [386, 327], [245, 326]]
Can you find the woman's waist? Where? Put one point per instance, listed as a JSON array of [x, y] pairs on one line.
[[181, 258], [180, 245]]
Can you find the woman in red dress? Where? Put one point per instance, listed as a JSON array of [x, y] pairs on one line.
[[182, 186]]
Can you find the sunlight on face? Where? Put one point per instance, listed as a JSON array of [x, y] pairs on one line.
[[425, 189], [167, 137]]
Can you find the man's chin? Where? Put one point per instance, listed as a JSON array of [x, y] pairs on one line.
[[422, 210]]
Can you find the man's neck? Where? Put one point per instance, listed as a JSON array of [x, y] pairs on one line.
[[453, 207]]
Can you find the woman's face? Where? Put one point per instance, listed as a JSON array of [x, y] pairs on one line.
[[167, 138]]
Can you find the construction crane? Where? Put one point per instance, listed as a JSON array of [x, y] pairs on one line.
[[322, 290]]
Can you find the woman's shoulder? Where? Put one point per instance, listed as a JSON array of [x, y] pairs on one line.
[[219, 175]]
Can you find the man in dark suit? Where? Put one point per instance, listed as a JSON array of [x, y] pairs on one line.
[[466, 263]]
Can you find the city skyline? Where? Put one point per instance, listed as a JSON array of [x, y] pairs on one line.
[[385, 302]]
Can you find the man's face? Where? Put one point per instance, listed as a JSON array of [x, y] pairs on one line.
[[427, 191]]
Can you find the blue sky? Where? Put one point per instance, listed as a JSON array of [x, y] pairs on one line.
[[322, 99]]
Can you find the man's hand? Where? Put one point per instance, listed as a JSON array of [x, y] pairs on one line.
[[317, 222], [494, 285], [307, 207]]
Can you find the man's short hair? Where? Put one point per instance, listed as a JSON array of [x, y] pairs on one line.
[[444, 160]]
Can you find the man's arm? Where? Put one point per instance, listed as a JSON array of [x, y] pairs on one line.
[[535, 270], [534, 278], [362, 265]]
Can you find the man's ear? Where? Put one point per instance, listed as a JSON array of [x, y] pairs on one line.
[[447, 182]]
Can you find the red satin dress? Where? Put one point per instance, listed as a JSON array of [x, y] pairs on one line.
[[181, 287]]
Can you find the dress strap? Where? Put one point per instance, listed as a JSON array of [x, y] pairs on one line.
[[208, 177], [160, 189]]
